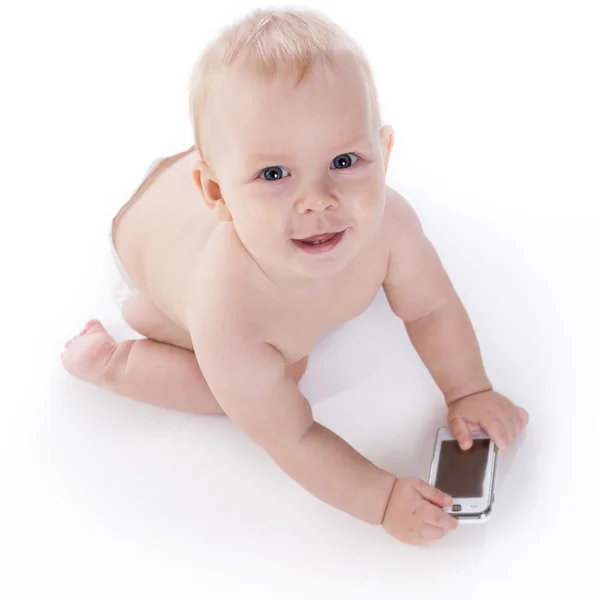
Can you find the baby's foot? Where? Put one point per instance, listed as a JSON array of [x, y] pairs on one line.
[[88, 355]]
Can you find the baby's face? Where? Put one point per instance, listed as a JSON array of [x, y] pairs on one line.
[[294, 162]]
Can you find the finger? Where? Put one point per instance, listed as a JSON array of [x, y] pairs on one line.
[[507, 414], [523, 416], [521, 419], [434, 495], [460, 431], [429, 533], [437, 517], [517, 423], [511, 423], [496, 429]]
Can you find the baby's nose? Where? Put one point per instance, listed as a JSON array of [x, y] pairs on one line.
[[318, 200]]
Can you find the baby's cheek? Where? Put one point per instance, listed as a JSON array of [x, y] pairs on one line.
[[267, 226], [373, 197]]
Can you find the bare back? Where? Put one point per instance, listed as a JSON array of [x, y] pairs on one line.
[[174, 249]]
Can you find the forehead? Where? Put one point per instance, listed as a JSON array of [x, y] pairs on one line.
[[329, 106]]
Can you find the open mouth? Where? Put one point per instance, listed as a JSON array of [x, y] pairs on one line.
[[320, 243]]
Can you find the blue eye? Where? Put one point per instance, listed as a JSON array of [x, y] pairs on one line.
[[274, 173], [343, 161]]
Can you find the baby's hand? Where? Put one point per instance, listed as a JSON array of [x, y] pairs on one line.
[[413, 515], [490, 411]]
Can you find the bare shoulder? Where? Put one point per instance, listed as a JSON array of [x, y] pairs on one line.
[[402, 229], [416, 281], [400, 216]]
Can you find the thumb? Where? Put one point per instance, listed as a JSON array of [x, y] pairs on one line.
[[434, 495], [461, 431]]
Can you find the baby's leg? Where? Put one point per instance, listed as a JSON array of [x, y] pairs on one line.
[[146, 370], [144, 317]]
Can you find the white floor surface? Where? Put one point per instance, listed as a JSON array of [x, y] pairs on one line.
[[106, 498]]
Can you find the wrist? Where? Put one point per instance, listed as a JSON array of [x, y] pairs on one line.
[[454, 395], [387, 504]]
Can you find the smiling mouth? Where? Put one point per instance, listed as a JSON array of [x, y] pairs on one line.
[[317, 239], [320, 243]]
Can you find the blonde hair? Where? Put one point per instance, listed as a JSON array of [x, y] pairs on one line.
[[270, 44]]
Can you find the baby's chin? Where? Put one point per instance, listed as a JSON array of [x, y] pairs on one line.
[[320, 266]]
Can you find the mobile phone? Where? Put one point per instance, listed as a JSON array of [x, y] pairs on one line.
[[466, 475]]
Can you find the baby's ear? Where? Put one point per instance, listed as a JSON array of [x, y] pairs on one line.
[[387, 143], [210, 190]]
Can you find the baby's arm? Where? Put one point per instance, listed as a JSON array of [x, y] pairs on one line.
[[421, 294], [249, 380]]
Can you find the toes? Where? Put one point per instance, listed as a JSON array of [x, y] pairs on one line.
[[92, 324], [69, 342]]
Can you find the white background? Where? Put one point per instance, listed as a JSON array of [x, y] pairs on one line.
[[495, 106]]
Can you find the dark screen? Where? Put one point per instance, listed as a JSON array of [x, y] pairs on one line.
[[461, 472]]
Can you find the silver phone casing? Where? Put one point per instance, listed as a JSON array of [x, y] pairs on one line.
[[465, 517]]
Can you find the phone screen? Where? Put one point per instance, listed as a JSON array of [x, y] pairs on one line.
[[461, 472]]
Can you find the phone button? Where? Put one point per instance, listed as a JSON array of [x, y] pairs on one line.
[[456, 508]]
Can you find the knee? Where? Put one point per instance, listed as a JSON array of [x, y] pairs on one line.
[[296, 370], [132, 314], [141, 315]]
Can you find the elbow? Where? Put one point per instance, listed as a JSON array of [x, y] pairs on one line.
[[279, 438], [433, 311], [286, 440]]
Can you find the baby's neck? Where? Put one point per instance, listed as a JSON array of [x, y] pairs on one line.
[[294, 285]]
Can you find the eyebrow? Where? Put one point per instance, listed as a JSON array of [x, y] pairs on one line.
[[265, 157]]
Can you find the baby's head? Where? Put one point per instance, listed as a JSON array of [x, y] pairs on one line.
[[286, 121]]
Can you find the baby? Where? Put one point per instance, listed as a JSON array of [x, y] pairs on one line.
[[274, 227]]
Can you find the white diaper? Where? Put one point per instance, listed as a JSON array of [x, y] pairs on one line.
[[124, 286]]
